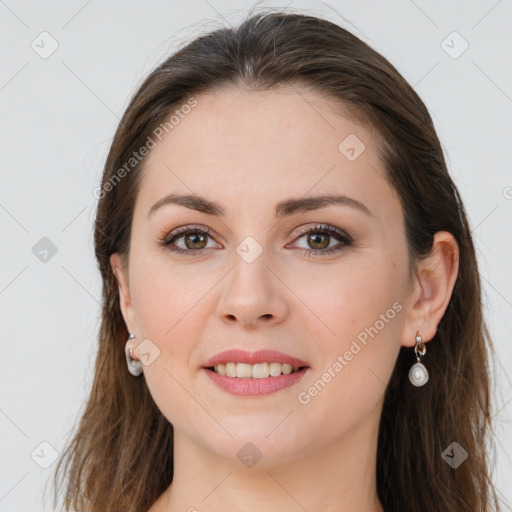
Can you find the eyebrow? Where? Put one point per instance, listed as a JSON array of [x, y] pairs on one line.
[[283, 209]]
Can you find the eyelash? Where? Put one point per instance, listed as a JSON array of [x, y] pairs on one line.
[[319, 228]]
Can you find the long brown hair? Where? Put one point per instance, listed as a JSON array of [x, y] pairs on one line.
[[121, 455]]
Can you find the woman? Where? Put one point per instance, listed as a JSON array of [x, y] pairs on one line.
[[291, 299]]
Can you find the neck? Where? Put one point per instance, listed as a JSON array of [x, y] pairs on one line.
[[339, 477]]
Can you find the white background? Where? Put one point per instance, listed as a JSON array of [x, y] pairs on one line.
[[58, 116]]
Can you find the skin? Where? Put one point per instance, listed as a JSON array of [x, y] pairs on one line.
[[248, 151]]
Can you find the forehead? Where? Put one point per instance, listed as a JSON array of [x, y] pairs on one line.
[[257, 147]]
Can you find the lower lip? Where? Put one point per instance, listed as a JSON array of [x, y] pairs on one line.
[[240, 386]]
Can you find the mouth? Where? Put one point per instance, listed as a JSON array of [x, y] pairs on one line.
[[237, 381], [244, 374], [254, 371]]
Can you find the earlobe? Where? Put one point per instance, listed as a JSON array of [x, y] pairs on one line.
[[433, 290], [125, 303]]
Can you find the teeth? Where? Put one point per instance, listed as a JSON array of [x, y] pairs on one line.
[[287, 369], [255, 371], [275, 369], [243, 370], [260, 371], [231, 369]]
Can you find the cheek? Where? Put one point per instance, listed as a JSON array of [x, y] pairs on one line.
[[354, 299], [165, 298], [362, 315], [170, 308]]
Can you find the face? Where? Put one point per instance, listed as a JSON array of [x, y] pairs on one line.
[[325, 283]]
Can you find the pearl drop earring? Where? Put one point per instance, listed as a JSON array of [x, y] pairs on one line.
[[418, 374], [134, 365]]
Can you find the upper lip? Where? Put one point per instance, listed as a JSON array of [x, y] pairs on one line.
[[260, 356]]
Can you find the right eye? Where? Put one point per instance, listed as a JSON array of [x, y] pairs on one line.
[[191, 235]]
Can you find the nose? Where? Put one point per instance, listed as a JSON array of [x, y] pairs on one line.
[[253, 294]]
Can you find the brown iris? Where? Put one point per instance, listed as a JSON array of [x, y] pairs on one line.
[[313, 239], [197, 239]]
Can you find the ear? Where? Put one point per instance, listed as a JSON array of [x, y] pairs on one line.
[[125, 302], [432, 289]]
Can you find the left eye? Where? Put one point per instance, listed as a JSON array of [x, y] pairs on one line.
[[320, 236]]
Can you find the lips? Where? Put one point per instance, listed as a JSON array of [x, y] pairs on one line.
[[260, 356]]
